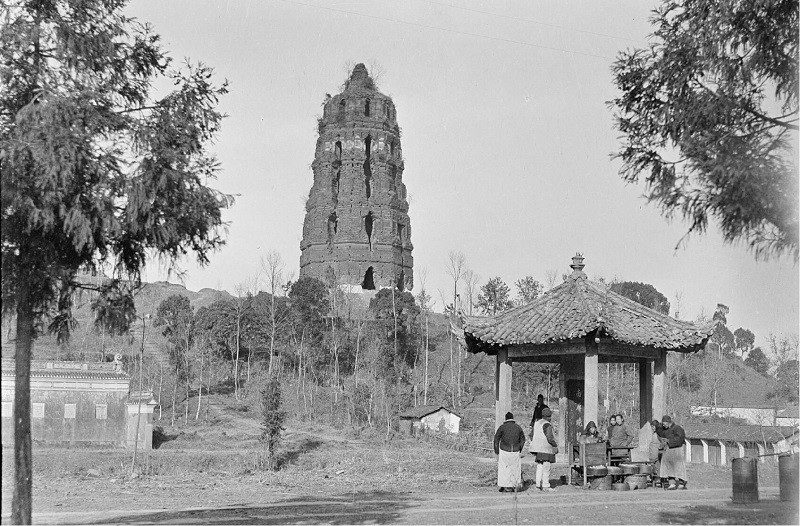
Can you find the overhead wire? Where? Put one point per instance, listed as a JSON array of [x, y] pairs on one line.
[[447, 30], [520, 19]]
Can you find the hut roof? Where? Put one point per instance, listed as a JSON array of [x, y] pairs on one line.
[[424, 410], [576, 308], [789, 412], [738, 433]]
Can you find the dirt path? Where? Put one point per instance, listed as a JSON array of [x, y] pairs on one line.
[[481, 506]]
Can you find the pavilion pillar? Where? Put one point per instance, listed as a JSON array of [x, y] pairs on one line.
[[645, 393], [591, 379], [660, 385], [561, 435], [502, 387]]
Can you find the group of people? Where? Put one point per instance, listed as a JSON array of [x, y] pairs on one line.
[[509, 441], [661, 443], [617, 433]]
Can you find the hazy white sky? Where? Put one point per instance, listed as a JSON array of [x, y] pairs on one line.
[[506, 140]]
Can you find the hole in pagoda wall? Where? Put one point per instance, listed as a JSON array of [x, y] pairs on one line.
[[369, 280], [367, 168], [335, 187], [368, 224]]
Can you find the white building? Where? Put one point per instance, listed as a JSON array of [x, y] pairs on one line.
[[788, 417], [756, 414], [434, 418]]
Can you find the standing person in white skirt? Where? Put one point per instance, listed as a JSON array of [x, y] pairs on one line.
[[545, 447], [508, 443], [673, 461]]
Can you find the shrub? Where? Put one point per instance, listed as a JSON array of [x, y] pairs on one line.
[[273, 418]]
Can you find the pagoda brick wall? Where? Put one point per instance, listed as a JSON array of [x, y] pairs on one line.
[[357, 220]]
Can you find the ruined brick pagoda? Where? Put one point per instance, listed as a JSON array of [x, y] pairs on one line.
[[357, 229]]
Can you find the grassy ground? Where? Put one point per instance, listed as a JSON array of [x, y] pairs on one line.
[[358, 474]]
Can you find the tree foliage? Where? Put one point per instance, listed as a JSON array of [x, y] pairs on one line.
[[308, 298], [388, 307], [98, 173], [176, 316], [272, 417], [788, 376], [708, 118], [757, 360], [494, 297], [722, 341], [643, 293], [787, 369], [528, 289], [744, 340]]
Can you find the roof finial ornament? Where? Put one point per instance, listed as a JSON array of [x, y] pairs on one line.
[[577, 262]]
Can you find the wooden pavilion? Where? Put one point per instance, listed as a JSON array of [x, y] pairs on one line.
[[579, 325]]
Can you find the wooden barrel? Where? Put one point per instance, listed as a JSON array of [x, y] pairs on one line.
[[637, 481], [788, 469], [600, 482], [745, 480]]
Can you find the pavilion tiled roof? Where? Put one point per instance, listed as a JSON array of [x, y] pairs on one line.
[[575, 309]]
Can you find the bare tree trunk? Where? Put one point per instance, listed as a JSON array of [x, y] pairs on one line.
[[249, 359], [23, 454], [355, 364], [386, 409], [425, 395], [335, 347], [548, 384], [459, 359], [301, 372], [160, 385], [394, 315], [210, 384], [236, 363], [186, 364], [174, 395], [272, 329], [200, 391], [452, 379]]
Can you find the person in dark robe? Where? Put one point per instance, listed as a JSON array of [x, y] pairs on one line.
[[509, 440], [537, 410], [673, 461], [590, 435]]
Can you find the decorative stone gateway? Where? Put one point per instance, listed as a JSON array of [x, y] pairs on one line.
[[357, 230]]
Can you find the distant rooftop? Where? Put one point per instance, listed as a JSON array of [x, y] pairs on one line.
[[50, 369], [423, 410], [738, 433]]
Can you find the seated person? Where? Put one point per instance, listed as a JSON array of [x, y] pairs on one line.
[[612, 421], [590, 435]]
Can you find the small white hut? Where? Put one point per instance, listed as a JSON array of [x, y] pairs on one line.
[[429, 417]]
